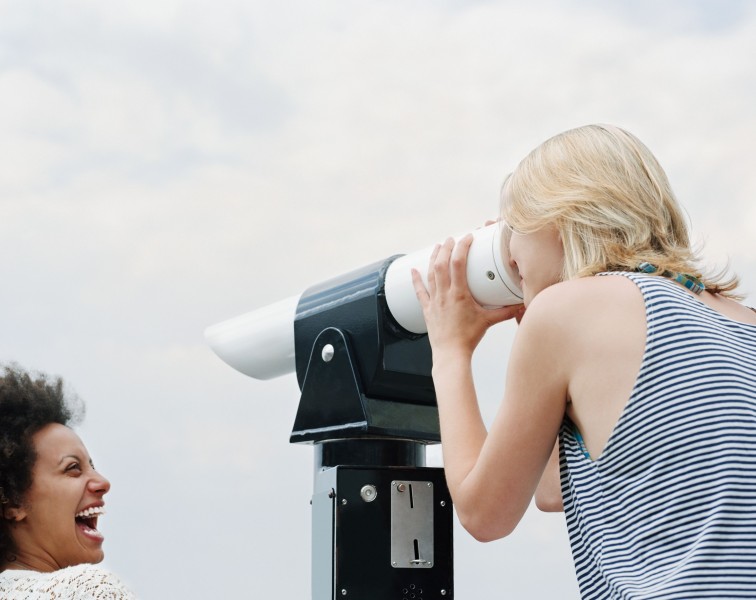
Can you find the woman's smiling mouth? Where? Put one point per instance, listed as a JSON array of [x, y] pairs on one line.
[[86, 521]]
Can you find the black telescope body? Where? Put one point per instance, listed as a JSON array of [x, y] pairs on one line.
[[361, 374]]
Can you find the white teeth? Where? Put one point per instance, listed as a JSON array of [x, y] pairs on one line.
[[91, 512]]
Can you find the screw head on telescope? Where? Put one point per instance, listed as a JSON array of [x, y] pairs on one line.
[[327, 353]]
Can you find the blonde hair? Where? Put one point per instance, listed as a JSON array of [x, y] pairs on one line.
[[611, 202]]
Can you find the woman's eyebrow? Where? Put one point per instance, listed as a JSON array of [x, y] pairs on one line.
[[74, 456]]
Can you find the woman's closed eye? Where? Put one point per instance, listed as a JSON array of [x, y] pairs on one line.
[[73, 468]]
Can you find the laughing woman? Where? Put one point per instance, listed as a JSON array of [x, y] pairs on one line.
[[51, 497]]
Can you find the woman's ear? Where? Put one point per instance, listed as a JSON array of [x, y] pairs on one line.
[[14, 513]]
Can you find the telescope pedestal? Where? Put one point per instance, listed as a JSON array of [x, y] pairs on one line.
[[380, 532], [381, 520]]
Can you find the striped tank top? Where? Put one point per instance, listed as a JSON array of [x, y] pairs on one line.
[[669, 508]]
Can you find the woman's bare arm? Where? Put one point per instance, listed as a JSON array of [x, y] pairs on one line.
[[548, 496], [492, 476]]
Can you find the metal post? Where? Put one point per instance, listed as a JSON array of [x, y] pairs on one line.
[[381, 523]]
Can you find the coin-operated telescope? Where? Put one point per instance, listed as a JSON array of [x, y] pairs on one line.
[[381, 519]]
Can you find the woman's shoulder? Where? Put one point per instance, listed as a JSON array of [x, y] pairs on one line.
[[585, 295], [95, 583], [585, 311], [80, 582]]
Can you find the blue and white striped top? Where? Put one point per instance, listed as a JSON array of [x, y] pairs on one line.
[[669, 508]]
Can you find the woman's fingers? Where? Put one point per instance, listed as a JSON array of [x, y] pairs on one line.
[[458, 264], [447, 266], [440, 265], [452, 315], [431, 266], [420, 290], [497, 315]]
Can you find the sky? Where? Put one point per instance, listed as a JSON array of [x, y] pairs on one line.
[[166, 165]]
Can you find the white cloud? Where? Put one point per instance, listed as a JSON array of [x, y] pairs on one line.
[[167, 165]]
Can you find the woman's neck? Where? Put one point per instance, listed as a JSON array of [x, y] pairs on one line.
[[30, 564]]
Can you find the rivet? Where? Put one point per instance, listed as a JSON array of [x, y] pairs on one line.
[[490, 275], [327, 353]]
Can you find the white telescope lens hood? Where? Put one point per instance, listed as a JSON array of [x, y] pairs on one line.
[[258, 343]]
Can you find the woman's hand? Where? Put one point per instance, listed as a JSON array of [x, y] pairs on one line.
[[456, 322]]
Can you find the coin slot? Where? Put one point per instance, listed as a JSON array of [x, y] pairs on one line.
[[412, 511]]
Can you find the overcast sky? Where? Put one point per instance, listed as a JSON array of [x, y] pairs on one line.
[[167, 164]]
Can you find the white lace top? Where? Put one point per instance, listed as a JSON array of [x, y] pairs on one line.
[[81, 582]]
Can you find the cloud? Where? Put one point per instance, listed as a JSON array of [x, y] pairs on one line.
[[167, 165]]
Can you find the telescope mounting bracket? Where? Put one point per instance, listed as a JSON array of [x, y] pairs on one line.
[[333, 404]]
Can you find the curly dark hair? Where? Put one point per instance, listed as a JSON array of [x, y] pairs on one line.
[[28, 402]]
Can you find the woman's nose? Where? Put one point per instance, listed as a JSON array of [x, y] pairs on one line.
[[99, 484]]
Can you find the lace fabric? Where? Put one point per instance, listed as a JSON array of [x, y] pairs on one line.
[[81, 582]]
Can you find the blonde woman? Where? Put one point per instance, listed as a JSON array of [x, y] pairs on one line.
[[633, 372]]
